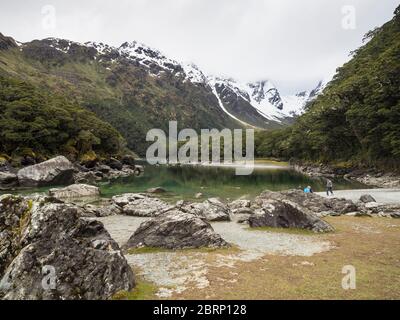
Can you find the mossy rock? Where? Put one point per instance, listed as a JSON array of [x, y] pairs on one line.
[[89, 159], [28, 152], [3, 161]]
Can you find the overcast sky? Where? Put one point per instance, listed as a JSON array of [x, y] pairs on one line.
[[294, 43]]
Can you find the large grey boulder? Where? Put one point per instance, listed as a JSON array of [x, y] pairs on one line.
[[105, 210], [115, 164], [175, 230], [366, 198], [287, 214], [8, 180], [141, 205], [311, 201], [56, 171], [212, 209], [75, 191], [48, 252]]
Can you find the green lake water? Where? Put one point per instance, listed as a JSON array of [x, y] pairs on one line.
[[183, 182]]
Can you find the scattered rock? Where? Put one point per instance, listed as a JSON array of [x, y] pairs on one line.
[[239, 204], [287, 214], [8, 180], [56, 171], [86, 177], [90, 210], [38, 235], [311, 201], [156, 190], [372, 205], [367, 198], [175, 230], [138, 170], [103, 168], [212, 209], [128, 160], [115, 164], [140, 205], [198, 195], [124, 199], [75, 191], [376, 179]]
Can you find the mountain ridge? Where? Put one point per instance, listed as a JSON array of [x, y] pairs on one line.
[[157, 62], [136, 88]]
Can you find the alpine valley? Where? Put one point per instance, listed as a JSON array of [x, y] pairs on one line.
[[64, 97]]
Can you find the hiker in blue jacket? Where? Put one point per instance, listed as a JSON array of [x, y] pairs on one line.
[[308, 190]]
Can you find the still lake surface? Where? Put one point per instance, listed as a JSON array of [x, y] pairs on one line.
[[185, 181]]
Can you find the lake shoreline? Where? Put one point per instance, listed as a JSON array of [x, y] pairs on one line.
[[368, 177]]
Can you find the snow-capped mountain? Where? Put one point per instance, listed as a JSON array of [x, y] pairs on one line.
[[258, 104], [264, 97]]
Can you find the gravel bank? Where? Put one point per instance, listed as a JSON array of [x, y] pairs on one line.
[[174, 272]]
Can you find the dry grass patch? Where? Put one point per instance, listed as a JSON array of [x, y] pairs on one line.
[[371, 245]]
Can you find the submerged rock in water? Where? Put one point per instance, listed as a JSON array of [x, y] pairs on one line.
[[175, 230], [156, 190], [75, 191], [48, 252], [56, 171], [287, 214]]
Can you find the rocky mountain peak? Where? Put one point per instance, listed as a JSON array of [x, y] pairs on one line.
[[6, 42]]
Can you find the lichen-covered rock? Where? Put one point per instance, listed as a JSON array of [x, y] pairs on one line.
[[8, 180], [311, 201], [75, 191], [56, 171], [287, 214], [212, 209], [140, 205], [103, 210], [175, 230], [366, 198], [38, 236]]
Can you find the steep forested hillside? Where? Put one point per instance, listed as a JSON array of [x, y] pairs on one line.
[[37, 124], [357, 118], [125, 92]]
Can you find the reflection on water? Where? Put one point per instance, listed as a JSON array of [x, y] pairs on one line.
[[185, 181]]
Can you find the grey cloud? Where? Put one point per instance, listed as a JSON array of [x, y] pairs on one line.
[[293, 43]]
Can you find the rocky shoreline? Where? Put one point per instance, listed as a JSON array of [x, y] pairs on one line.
[[59, 239], [43, 231], [60, 171], [368, 177]]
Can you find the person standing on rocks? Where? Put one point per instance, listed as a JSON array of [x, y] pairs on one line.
[[329, 187]]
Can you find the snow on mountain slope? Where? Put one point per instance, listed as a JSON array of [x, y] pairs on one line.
[[294, 104], [258, 103], [266, 99], [258, 96]]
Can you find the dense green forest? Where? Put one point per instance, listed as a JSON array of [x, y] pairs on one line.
[[117, 90], [356, 121], [38, 124]]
